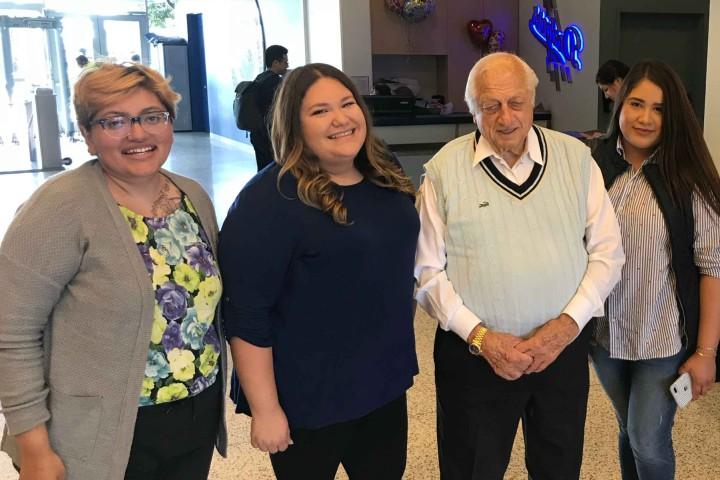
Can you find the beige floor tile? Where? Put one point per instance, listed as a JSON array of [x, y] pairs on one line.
[[422, 461], [243, 462], [697, 436]]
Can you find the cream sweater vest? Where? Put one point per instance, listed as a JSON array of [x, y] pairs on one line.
[[515, 256]]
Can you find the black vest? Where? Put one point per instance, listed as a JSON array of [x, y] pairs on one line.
[[681, 229]]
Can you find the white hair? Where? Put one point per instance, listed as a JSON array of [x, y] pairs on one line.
[[499, 60]]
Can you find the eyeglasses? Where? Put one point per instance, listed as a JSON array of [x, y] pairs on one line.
[[491, 108], [120, 126]]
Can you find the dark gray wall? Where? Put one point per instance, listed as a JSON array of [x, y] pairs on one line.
[[672, 31]]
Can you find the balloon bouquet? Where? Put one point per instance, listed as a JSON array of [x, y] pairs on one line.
[[412, 11], [484, 37]]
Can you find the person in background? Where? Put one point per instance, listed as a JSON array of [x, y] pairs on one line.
[[317, 255], [111, 354], [609, 78], [663, 318], [135, 58], [276, 62], [518, 248]]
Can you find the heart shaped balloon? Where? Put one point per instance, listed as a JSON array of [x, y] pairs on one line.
[[480, 31]]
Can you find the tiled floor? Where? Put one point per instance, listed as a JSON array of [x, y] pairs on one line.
[[223, 167]]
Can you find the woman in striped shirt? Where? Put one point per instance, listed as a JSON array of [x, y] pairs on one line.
[[663, 318]]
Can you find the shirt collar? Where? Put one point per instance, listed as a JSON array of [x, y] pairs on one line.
[[483, 149], [621, 151], [619, 147]]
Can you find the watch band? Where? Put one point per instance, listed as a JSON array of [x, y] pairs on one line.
[[475, 346]]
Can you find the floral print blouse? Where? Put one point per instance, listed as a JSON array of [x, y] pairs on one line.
[[184, 348]]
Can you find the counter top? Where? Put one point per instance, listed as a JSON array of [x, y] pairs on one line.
[[453, 118], [394, 120]]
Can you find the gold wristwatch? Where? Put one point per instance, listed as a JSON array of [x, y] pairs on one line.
[[475, 346]]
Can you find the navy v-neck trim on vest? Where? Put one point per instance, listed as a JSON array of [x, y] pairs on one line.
[[523, 190]]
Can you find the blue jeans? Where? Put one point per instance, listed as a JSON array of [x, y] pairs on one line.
[[645, 411]]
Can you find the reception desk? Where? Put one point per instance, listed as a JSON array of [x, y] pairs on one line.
[[415, 139]]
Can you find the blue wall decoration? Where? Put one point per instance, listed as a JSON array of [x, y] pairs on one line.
[[564, 46]]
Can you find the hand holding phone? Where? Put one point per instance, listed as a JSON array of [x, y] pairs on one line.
[[681, 390]]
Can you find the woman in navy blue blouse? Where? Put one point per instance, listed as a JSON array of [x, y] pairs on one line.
[[317, 254]]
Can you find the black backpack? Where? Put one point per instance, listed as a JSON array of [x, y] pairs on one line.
[[245, 106]]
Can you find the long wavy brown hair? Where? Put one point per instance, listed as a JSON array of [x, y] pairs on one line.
[[682, 154], [314, 187]]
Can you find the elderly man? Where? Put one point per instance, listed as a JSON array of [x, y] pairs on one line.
[[518, 249]]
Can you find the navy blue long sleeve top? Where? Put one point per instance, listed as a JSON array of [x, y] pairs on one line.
[[334, 302]]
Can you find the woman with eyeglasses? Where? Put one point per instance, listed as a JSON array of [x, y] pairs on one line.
[[111, 354]]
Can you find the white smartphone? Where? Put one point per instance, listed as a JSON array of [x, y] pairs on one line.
[[681, 390]]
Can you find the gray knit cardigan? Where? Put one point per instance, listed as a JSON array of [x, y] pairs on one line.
[[75, 321]]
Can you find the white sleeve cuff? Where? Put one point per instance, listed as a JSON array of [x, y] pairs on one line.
[[463, 322], [581, 310]]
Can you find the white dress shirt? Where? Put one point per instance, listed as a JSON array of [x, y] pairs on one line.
[[435, 292]]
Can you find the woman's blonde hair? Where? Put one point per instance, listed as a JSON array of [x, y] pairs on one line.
[[105, 83], [314, 187]]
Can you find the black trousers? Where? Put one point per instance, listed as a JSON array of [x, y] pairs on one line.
[[373, 447], [175, 441], [260, 140], [478, 413]]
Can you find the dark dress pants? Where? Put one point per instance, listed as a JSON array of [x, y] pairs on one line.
[[373, 447], [478, 413], [175, 441]]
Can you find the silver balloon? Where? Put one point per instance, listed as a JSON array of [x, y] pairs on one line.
[[417, 10]]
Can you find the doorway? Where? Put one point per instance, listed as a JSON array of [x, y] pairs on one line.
[[666, 30], [30, 61], [40, 52], [121, 37], [671, 38]]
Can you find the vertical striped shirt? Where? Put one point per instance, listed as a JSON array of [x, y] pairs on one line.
[[642, 320]]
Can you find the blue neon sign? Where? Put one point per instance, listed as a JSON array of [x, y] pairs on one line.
[[563, 46]]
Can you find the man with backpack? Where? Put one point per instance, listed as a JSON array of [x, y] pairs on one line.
[[254, 101]]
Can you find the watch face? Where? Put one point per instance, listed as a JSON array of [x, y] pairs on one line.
[[474, 349]]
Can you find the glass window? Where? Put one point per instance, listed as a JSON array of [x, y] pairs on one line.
[[94, 7], [283, 20], [324, 32]]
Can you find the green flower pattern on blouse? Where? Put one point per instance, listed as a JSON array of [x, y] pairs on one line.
[[184, 348]]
